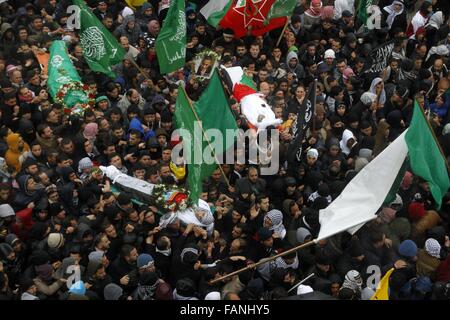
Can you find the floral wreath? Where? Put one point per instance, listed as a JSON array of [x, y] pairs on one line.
[[80, 107], [171, 198]]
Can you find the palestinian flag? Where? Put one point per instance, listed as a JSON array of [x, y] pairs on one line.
[[243, 16], [365, 193], [253, 105]]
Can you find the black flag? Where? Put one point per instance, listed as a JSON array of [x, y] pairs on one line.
[[380, 56], [305, 117]]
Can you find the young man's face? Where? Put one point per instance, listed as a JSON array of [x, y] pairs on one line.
[[4, 194], [116, 162]]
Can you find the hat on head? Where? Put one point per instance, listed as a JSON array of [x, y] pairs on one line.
[[348, 72], [214, 295], [144, 261], [368, 98], [12, 239], [313, 153], [78, 288], [322, 68], [112, 292], [407, 249], [90, 131], [85, 163], [55, 240], [416, 210], [6, 211], [433, 248], [302, 234], [329, 54], [302, 289], [347, 14], [101, 98], [5, 250], [96, 256]]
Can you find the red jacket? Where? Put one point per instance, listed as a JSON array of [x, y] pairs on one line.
[[443, 271], [23, 223]]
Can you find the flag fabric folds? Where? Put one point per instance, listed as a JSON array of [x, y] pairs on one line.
[[305, 116], [213, 111], [100, 48], [62, 72], [382, 292], [171, 41], [365, 193], [282, 8], [243, 16], [426, 159]]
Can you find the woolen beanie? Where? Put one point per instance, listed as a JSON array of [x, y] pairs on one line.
[[55, 240], [408, 249]]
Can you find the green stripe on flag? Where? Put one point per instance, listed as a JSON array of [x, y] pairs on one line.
[[426, 159]]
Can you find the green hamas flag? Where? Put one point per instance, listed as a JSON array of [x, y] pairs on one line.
[[171, 40], [62, 74], [281, 8], [425, 157], [100, 48], [362, 10], [214, 113]]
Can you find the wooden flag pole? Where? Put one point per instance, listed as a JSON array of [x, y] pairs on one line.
[[282, 32], [303, 281], [435, 138], [262, 261], [206, 138]]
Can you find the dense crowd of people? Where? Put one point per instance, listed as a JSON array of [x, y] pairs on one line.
[[68, 233]]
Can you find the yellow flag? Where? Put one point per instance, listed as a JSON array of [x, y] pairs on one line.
[[135, 3], [382, 292]]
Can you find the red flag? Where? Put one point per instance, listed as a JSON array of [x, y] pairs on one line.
[[251, 15]]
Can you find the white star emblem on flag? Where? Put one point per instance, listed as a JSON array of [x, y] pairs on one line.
[[251, 10]]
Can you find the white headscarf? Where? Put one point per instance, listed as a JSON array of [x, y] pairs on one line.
[[436, 20], [343, 143], [374, 90], [392, 13], [276, 216]]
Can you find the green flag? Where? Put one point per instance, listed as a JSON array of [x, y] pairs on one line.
[[171, 40], [281, 8], [214, 113], [100, 48], [64, 83], [362, 10], [426, 159]]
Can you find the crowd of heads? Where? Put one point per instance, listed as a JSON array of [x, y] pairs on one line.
[[67, 232]]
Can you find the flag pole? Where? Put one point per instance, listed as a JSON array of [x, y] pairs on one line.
[[314, 115], [435, 138], [303, 281], [206, 138], [262, 261], [282, 32], [140, 69]]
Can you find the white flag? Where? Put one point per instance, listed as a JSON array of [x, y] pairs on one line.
[[365, 193]]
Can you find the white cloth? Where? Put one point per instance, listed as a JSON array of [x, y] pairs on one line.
[[342, 5], [372, 89], [392, 13], [365, 193], [347, 135]]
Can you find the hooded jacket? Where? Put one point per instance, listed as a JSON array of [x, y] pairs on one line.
[[13, 153], [24, 196], [137, 125], [122, 30], [298, 69]]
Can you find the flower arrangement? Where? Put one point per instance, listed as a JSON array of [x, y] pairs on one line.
[[85, 95], [171, 198]]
